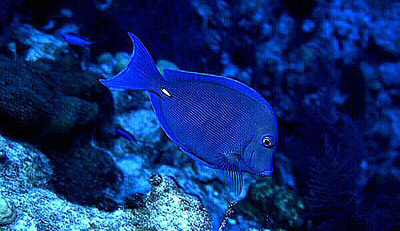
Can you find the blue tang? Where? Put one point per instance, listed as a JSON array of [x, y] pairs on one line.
[[217, 121]]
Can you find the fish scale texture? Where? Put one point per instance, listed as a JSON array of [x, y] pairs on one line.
[[205, 118]]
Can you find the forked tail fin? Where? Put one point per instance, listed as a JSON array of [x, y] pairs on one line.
[[140, 74]]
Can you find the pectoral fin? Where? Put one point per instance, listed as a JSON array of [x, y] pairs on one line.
[[231, 171]]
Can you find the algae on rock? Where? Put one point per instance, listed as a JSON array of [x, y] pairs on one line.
[[168, 208], [268, 201]]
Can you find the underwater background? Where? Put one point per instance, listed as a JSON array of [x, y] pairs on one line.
[[75, 155]]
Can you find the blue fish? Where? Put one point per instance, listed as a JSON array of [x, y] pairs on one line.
[[217, 121], [75, 39], [125, 134]]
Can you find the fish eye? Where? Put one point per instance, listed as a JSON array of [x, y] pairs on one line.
[[267, 141]]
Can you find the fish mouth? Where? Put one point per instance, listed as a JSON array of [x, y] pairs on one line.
[[254, 171], [262, 173]]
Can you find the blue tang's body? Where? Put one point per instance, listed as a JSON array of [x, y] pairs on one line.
[[217, 121]]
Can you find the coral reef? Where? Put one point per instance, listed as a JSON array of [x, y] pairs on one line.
[[330, 69], [168, 208], [111, 65], [40, 209], [275, 206], [143, 123], [49, 105], [385, 29], [61, 111], [136, 173], [345, 29], [22, 167], [41, 45], [28, 202], [88, 175], [7, 212], [389, 73], [194, 178]]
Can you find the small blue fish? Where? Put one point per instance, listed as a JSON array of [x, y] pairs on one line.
[[75, 39], [217, 121], [125, 134]]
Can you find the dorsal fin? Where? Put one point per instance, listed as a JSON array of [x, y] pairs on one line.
[[179, 75]]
